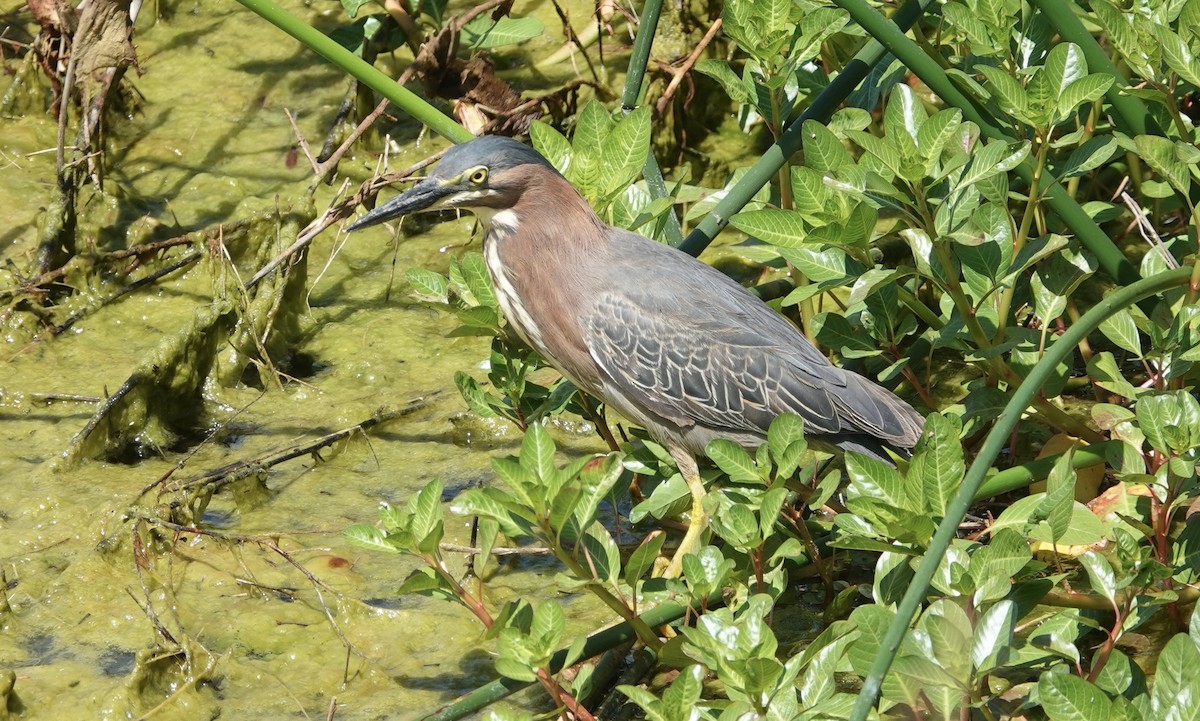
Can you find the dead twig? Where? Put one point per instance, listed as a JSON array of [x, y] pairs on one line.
[[242, 469], [678, 74]]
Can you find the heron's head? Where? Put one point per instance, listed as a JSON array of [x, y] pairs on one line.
[[488, 174]]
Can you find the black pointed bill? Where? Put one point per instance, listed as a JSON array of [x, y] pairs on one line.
[[424, 195]]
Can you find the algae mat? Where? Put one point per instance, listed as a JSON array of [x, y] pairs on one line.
[[269, 613]]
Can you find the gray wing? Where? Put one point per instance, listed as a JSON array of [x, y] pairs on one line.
[[708, 353]]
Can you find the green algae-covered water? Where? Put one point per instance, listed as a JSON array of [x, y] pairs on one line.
[[271, 613]]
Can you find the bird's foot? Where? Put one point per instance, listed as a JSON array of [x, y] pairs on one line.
[[691, 539]]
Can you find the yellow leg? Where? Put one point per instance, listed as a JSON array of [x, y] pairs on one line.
[[698, 520]]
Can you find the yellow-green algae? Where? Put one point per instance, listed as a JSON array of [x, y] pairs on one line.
[[252, 638]]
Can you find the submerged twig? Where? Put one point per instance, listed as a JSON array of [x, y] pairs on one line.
[[242, 469]]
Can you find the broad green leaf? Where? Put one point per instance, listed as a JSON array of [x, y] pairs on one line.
[[1060, 495], [483, 33], [1009, 94], [537, 453], [625, 151], [591, 130], [1178, 55], [720, 71], [1177, 681], [1121, 29], [427, 285], [600, 554], [1103, 579], [1105, 373], [733, 460], [1089, 156], [1066, 697], [903, 118], [993, 637], [938, 465], [643, 557], [1121, 676], [1003, 557], [823, 151], [778, 227], [1159, 154], [368, 536], [1084, 90], [426, 512], [552, 145], [1121, 330], [424, 581]]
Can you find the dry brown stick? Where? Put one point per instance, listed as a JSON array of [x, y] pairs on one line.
[[335, 213], [574, 39], [678, 74]]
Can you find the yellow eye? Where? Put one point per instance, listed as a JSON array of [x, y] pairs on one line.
[[478, 176]]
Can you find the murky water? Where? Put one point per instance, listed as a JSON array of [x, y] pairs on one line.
[[94, 591]]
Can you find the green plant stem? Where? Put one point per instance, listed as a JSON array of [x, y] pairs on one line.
[[1021, 476], [595, 644], [318, 42], [772, 160], [630, 97], [644, 632], [922, 311], [1132, 114], [1111, 259], [1022, 236], [996, 440]]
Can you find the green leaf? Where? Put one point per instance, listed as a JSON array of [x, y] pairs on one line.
[[938, 465], [1085, 90], [475, 276], [1177, 681], [424, 581], [426, 512], [601, 554], [1178, 54], [1105, 373], [1159, 154], [1089, 156], [992, 640], [477, 400], [625, 151], [835, 331], [778, 227], [1059, 502], [482, 33], [483, 503], [591, 130], [537, 453], [551, 144], [823, 151], [1156, 413], [643, 557], [720, 71], [1004, 557], [1066, 697], [1103, 579], [1011, 97], [903, 118], [733, 460], [368, 536], [427, 285], [1121, 330]]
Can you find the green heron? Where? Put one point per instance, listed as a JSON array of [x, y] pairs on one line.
[[671, 343]]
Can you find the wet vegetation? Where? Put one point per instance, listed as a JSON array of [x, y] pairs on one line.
[[986, 205]]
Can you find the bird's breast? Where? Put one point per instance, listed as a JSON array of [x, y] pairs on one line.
[[507, 295]]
